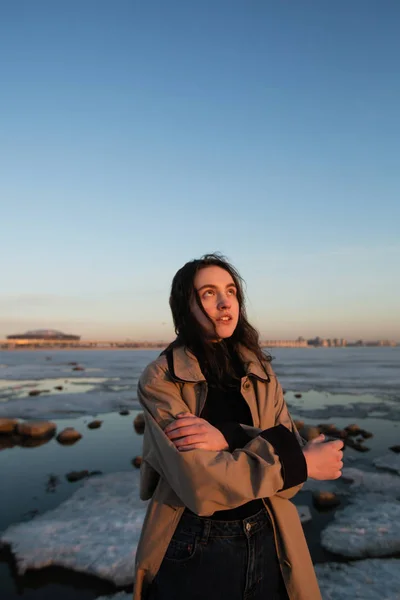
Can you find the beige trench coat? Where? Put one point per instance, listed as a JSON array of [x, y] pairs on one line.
[[207, 481]]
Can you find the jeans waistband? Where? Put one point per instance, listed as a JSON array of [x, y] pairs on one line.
[[205, 528]]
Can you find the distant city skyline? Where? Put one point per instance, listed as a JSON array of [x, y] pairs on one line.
[[139, 136], [166, 333]]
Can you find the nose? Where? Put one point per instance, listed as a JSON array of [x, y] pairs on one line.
[[224, 302]]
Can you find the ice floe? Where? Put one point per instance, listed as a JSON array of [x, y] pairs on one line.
[[95, 531], [371, 579], [391, 462], [365, 528], [58, 406], [367, 482]]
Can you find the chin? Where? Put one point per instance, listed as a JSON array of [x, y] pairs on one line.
[[226, 332]]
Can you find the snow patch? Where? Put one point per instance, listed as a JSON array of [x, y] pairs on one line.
[[370, 579], [95, 531], [365, 528], [56, 406], [379, 483], [391, 462]]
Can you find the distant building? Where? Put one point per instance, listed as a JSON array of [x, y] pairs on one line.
[[299, 343], [43, 334]]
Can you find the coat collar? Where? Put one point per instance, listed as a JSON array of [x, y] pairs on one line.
[[185, 366]]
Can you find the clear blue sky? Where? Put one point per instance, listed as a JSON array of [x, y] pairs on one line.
[[138, 135]]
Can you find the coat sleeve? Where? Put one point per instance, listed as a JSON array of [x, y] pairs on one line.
[[282, 418], [206, 481]]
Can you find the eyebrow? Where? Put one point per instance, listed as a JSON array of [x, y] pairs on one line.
[[214, 287]]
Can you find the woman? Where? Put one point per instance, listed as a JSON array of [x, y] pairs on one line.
[[221, 457]]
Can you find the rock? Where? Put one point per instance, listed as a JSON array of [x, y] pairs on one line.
[[73, 364], [304, 514], [353, 429], [366, 434], [6, 442], [283, 392], [124, 412], [341, 433], [78, 369], [69, 435], [59, 387], [356, 445], [365, 528], [95, 531], [34, 393], [139, 423], [36, 429], [8, 426], [390, 462], [370, 579], [297, 395], [136, 462], [76, 476], [327, 427], [395, 449], [325, 499], [94, 424], [331, 430], [309, 432], [34, 442]]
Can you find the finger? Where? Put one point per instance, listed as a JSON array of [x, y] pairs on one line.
[[199, 446], [188, 440], [318, 439], [184, 422], [185, 414], [338, 444], [184, 431]]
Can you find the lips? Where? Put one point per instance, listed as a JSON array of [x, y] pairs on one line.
[[226, 318]]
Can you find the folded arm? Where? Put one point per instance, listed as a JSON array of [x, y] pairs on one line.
[[208, 481]]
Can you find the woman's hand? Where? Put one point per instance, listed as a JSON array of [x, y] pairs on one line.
[[324, 459], [189, 432]]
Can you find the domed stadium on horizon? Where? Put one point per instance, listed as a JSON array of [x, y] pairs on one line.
[[43, 334]]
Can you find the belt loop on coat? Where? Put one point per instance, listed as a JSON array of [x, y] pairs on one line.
[[206, 531]]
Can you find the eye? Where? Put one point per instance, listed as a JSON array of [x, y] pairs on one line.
[[208, 293], [232, 292]]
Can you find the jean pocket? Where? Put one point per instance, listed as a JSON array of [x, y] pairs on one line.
[[181, 548]]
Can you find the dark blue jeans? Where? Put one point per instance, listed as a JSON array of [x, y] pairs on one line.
[[220, 560]]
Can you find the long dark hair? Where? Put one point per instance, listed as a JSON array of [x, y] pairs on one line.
[[215, 359]]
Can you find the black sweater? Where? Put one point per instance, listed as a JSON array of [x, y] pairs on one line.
[[226, 409]]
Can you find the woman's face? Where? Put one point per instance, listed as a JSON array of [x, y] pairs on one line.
[[218, 296]]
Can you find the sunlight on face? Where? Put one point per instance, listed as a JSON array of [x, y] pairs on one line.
[[218, 296]]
